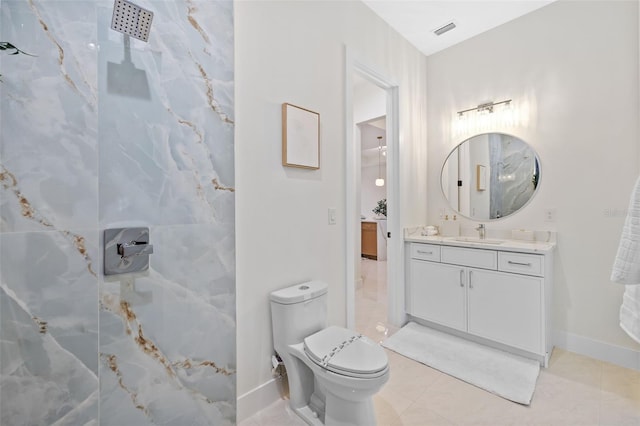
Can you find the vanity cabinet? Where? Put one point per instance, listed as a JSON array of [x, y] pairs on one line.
[[369, 240], [505, 308], [435, 294], [494, 295]]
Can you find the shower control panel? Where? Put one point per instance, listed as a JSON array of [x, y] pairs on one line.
[[126, 250]]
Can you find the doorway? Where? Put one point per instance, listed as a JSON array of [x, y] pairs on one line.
[[371, 297], [372, 97]]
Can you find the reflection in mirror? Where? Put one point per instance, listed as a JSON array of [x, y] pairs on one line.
[[490, 176]]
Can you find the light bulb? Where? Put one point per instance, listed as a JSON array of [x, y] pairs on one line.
[[379, 182]]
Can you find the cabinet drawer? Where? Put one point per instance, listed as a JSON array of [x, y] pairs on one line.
[[425, 252], [477, 258], [521, 263], [369, 226]]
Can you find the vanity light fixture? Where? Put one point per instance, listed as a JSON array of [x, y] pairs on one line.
[[486, 107], [483, 118], [379, 180]]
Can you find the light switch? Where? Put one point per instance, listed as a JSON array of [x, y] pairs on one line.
[[332, 216]]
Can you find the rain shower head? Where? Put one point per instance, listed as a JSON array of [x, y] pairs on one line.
[[131, 19], [124, 78]]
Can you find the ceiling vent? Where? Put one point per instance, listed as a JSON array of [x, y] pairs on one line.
[[444, 28]]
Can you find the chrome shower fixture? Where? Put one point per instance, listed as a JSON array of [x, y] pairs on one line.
[[131, 19]]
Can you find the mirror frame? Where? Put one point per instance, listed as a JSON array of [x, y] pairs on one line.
[[533, 195]]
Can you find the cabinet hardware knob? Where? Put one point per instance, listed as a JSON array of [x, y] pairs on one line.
[[510, 262], [425, 252], [461, 277]]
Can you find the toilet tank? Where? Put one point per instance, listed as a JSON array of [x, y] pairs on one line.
[[297, 312]]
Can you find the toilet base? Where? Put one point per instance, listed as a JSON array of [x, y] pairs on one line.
[[347, 400], [308, 415], [341, 412]]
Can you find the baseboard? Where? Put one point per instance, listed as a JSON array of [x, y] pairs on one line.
[[624, 357], [258, 399]]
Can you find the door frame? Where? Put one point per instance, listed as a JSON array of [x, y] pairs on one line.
[[395, 293]]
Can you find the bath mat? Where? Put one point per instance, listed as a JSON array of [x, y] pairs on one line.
[[504, 374]]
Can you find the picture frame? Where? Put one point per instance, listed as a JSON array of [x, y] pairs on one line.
[[300, 137], [481, 177]]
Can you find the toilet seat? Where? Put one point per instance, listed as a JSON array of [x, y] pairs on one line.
[[346, 352]]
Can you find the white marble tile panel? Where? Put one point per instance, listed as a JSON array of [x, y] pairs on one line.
[[166, 151], [41, 382], [53, 275], [85, 145], [167, 348], [48, 140]]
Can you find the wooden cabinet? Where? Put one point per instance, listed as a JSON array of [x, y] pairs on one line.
[[493, 295], [369, 240]]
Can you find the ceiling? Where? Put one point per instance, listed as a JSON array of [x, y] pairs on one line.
[[416, 20]]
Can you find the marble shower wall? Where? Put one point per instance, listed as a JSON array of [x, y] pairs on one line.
[[512, 169], [95, 133]]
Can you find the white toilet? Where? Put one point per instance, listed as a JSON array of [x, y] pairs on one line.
[[333, 372]]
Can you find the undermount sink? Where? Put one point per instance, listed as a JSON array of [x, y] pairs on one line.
[[477, 240]]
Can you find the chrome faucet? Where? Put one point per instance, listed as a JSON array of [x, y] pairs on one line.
[[481, 230]]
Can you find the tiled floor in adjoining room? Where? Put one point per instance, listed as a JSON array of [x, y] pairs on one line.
[[573, 391]]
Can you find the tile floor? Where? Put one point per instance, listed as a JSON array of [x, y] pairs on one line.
[[573, 391]]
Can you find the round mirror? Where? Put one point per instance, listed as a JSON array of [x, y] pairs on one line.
[[490, 176]]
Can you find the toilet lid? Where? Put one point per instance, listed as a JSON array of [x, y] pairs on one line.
[[345, 352]]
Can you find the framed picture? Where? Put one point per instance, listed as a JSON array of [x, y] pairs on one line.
[[300, 137], [481, 177]]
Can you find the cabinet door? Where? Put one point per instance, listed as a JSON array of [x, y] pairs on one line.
[[438, 293], [369, 243], [506, 308]]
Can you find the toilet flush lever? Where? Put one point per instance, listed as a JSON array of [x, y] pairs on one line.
[[134, 248]]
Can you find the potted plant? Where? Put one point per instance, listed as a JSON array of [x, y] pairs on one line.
[[381, 209]]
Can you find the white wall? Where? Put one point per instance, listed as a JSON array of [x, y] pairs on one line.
[[576, 65], [295, 52], [369, 101]]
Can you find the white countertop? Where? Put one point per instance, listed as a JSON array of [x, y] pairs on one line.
[[505, 244], [372, 220]]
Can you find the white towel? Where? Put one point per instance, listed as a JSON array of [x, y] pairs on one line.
[[630, 312], [626, 267]]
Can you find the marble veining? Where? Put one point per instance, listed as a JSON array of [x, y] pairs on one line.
[[194, 22], [97, 132], [45, 28], [135, 333], [112, 363], [45, 384], [213, 103], [219, 187], [10, 183]]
